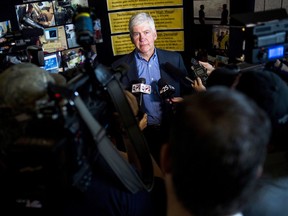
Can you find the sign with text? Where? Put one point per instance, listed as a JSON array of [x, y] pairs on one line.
[[169, 18], [134, 4]]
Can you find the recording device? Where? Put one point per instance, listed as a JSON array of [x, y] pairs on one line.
[[199, 71], [166, 91], [176, 73]]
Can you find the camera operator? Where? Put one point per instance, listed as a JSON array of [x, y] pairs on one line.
[[21, 85]]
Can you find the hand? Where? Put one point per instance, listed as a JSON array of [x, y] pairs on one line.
[[197, 85], [208, 67], [143, 122], [176, 100]]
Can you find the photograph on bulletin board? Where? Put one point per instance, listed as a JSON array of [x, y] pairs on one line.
[[65, 10], [35, 15], [220, 37], [54, 39], [71, 36], [5, 27], [52, 62], [71, 58]]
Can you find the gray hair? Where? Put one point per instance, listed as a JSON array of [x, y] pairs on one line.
[[140, 18]]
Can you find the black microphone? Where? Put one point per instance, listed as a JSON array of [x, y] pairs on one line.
[[176, 73], [141, 88], [166, 91]]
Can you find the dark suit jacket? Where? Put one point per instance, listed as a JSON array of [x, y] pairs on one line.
[[164, 56]]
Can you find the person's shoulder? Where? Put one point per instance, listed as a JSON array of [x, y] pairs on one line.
[[124, 58], [270, 191]]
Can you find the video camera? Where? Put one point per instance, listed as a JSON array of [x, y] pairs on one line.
[[266, 41], [259, 37]]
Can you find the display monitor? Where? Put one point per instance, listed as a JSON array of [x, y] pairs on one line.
[[275, 52]]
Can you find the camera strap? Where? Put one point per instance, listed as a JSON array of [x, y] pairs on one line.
[[131, 178]]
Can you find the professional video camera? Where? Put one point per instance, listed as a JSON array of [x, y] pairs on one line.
[[20, 46], [259, 37], [266, 41]]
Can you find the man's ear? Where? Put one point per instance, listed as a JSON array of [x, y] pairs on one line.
[[165, 158], [155, 35]]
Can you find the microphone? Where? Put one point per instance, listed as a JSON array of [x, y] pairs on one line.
[[166, 91], [141, 88], [176, 72]]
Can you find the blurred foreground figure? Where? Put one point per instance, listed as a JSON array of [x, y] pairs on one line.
[[215, 154], [49, 165]]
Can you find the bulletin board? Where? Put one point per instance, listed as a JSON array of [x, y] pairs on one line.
[[167, 14]]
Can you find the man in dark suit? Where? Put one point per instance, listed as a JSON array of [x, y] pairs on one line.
[[148, 62]]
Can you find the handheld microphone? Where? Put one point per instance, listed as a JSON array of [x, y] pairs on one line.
[[176, 72], [166, 91], [141, 88]]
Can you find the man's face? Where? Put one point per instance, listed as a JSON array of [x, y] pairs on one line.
[[143, 38]]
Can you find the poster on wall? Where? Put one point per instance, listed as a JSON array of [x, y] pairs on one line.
[[171, 18], [164, 19], [128, 4], [168, 17]]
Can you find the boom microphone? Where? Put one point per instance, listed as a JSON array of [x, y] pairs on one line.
[[176, 72], [166, 91], [141, 88]]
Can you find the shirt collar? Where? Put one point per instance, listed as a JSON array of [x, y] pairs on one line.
[[139, 57]]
